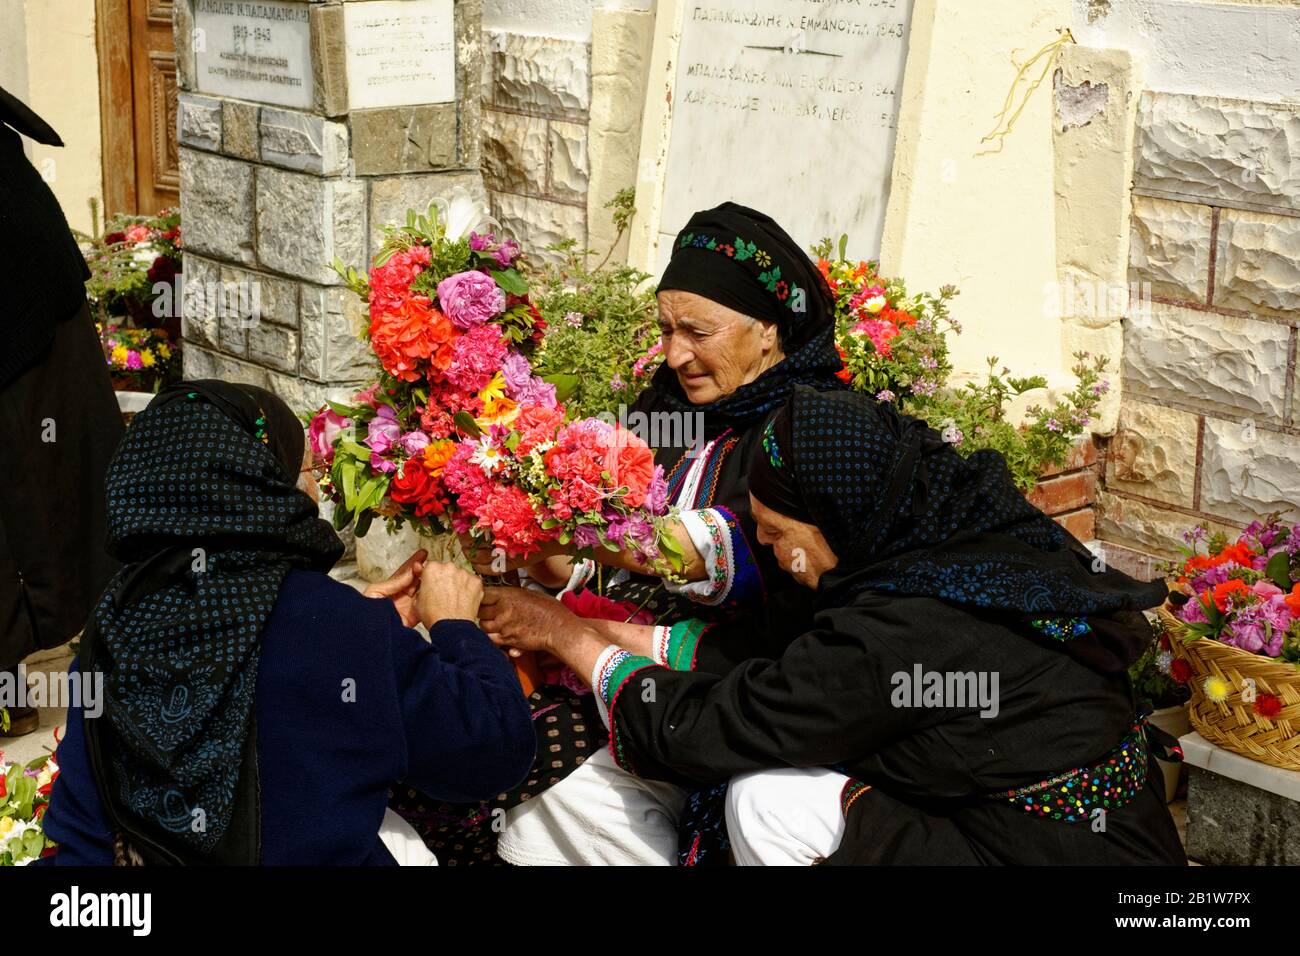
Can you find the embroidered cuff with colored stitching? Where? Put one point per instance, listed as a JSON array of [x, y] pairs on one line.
[[683, 642]]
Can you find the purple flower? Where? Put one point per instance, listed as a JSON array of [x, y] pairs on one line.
[[656, 493], [573, 320], [1053, 425], [414, 442], [481, 243], [885, 395], [133, 360], [470, 299], [508, 252], [383, 431], [586, 536], [517, 373], [617, 383], [382, 464]]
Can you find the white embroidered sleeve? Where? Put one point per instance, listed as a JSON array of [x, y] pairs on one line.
[[708, 532]]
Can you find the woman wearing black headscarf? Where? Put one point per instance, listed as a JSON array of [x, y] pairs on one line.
[[962, 694], [253, 709], [744, 317]]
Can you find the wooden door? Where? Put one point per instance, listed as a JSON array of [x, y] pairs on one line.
[[137, 68]]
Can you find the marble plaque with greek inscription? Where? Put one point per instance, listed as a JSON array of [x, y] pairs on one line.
[[400, 53], [254, 50], [791, 107]]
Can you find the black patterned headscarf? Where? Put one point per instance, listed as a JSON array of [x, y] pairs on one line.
[[741, 258], [904, 512], [205, 513]]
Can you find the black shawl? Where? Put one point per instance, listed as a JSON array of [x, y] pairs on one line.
[[204, 512], [905, 513]]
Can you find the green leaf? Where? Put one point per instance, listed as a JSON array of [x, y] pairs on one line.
[[1279, 570], [341, 517], [363, 523], [565, 384], [511, 281], [347, 411], [349, 474], [465, 422]]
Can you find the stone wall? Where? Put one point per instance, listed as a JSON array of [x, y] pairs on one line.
[[1207, 425], [537, 109], [270, 197]]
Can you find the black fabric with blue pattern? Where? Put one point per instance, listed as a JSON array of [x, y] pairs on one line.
[[904, 512], [204, 484]]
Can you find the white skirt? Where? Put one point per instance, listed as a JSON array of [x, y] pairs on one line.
[[599, 815]]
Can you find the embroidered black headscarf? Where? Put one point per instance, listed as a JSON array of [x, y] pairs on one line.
[[742, 259], [904, 512], [205, 513]]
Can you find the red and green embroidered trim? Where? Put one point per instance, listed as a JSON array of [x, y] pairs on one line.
[[623, 672], [683, 641], [760, 260], [849, 795]]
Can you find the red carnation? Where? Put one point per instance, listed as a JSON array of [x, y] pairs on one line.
[[1180, 670], [1268, 705], [113, 238]]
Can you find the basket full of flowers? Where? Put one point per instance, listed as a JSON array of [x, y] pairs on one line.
[[1234, 621]]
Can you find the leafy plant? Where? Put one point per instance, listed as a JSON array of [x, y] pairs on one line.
[[602, 322], [974, 418]]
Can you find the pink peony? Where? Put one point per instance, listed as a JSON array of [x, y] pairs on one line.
[[470, 299], [324, 430], [476, 357]]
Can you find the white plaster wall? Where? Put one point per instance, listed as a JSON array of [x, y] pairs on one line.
[[570, 19], [47, 53], [1246, 50]]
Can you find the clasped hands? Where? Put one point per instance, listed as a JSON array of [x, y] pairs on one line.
[[518, 619]]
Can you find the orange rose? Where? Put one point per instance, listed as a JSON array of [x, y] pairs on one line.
[[630, 462]]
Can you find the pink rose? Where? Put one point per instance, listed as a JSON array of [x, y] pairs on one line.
[[470, 299], [324, 430], [383, 431]]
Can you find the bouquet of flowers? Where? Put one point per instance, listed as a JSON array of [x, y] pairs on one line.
[[1245, 594], [24, 797], [458, 433], [139, 359], [893, 344], [128, 261]]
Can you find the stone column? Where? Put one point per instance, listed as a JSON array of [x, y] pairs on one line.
[[304, 126]]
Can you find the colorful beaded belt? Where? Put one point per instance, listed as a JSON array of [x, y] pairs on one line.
[[1075, 796]]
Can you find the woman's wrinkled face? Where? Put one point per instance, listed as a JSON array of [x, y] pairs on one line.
[[713, 349], [800, 548]]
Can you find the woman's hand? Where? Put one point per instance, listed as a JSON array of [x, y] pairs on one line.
[[491, 561], [448, 593], [524, 620], [402, 588]]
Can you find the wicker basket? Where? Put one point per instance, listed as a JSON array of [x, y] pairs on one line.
[[1233, 724]]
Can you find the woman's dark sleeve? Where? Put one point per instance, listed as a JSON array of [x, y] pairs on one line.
[[825, 701], [469, 732]]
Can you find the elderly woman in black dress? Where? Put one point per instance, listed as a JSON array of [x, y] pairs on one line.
[[745, 317], [960, 697]]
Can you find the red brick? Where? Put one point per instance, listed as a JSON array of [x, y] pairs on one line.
[[1083, 455], [1082, 524], [1065, 493]]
